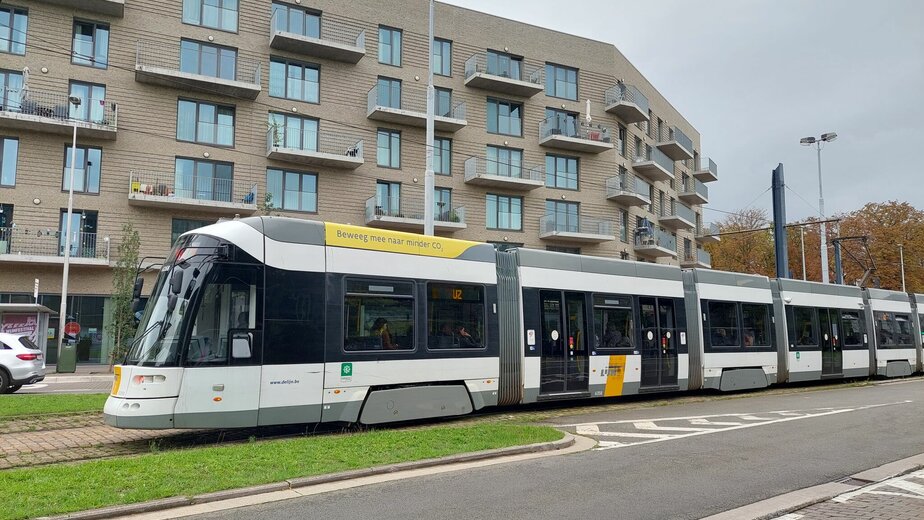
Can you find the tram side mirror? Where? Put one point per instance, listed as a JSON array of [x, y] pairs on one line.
[[176, 281], [171, 303], [240, 345], [136, 290]]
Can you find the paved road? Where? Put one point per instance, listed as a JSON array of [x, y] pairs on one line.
[[690, 461], [77, 385]]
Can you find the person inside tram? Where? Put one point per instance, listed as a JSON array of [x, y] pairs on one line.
[[380, 329], [466, 340], [612, 337], [446, 338]]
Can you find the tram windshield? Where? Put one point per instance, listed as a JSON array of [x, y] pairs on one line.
[[157, 341]]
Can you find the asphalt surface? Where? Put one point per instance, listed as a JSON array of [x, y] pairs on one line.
[[687, 473], [99, 385]]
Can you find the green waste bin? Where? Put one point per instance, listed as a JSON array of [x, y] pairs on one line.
[[67, 359]]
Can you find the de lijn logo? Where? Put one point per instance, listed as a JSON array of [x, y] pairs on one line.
[[346, 369]]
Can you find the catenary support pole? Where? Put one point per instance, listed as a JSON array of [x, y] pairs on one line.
[[428, 173], [779, 223]]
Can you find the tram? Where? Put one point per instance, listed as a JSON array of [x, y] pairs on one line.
[[273, 320]]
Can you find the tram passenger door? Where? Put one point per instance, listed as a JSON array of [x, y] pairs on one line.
[[564, 362], [831, 353], [659, 342]]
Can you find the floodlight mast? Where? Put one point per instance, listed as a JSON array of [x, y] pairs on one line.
[[826, 137]]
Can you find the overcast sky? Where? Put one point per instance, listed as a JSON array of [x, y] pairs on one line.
[[754, 76]]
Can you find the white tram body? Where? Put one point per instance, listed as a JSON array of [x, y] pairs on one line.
[[270, 320]]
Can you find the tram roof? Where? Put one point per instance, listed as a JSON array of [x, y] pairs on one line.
[[883, 294], [832, 289]]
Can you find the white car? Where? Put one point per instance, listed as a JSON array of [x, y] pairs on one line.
[[21, 362]]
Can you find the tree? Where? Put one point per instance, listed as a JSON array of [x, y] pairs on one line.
[[266, 206], [122, 324], [746, 252]]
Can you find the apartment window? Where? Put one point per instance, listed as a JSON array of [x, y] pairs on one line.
[[503, 212], [300, 133], [442, 156], [565, 215], [622, 140], [442, 57], [91, 44], [292, 191], [504, 65], [563, 249], [291, 19], [388, 148], [208, 60], [505, 117], [13, 23], [83, 233], [388, 93], [217, 14], [561, 81], [92, 105], [9, 151], [6, 220], [389, 46], [10, 90], [561, 172], [387, 198], [442, 204], [203, 180], [200, 122], [561, 122], [294, 80], [184, 225], [639, 149], [506, 162], [86, 169], [443, 103], [624, 226]]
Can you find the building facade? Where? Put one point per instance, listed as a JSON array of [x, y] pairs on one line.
[[188, 111]]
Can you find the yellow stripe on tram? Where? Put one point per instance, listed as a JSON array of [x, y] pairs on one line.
[[117, 373], [615, 375]]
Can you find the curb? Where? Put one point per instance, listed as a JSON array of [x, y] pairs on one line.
[[170, 503], [56, 379]]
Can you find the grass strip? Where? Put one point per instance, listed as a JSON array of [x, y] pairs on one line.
[[39, 404], [65, 488]]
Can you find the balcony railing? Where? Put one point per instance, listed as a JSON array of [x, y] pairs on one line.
[[575, 228], [678, 216], [627, 102], [31, 244], [408, 106], [41, 110], [518, 78], [204, 192], [697, 258], [656, 166], [114, 8], [629, 189], [694, 192], [407, 212], [488, 172], [707, 171], [708, 233], [320, 148], [656, 239], [571, 134], [159, 63], [676, 144], [336, 41]]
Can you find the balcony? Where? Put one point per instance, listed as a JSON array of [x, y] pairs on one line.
[[656, 167], [676, 145], [570, 228], [655, 243], [679, 217], [323, 149], [627, 103], [708, 233], [188, 192], [114, 8], [407, 214], [515, 80], [159, 64], [697, 258], [568, 134], [408, 106], [46, 246], [628, 190], [707, 171], [694, 192], [337, 41], [51, 112], [491, 174]]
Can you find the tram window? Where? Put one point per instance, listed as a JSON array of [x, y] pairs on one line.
[[455, 316], [853, 329], [229, 304], [805, 326], [755, 321], [885, 330], [378, 315], [723, 324], [904, 337], [614, 327]]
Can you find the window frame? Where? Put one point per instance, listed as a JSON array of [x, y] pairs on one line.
[[304, 66], [554, 175], [66, 171], [860, 318], [768, 321], [551, 81], [11, 43], [308, 12], [793, 330], [494, 165], [484, 316], [393, 32], [217, 108], [218, 61], [175, 220], [301, 184], [446, 61], [511, 105], [737, 339], [556, 204], [497, 211], [283, 136], [196, 163], [3, 161], [221, 12], [412, 296], [442, 153], [615, 301], [93, 63], [392, 136]]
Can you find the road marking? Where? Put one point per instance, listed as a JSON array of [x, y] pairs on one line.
[[912, 489], [680, 432], [35, 386], [790, 516]]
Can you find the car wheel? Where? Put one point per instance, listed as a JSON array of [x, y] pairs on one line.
[[13, 388], [4, 382]]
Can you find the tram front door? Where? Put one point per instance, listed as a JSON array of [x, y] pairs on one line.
[[659, 342], [832, 362], [564, 361]]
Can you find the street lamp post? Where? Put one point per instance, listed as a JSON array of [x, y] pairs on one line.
[[901, 257], [826, 137], [62, 317]]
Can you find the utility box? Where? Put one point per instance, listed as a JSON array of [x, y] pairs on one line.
[[30, 319]]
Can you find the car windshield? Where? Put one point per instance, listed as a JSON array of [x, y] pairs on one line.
[[158, 338]]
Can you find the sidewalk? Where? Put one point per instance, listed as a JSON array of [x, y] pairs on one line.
[[84, 374]]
